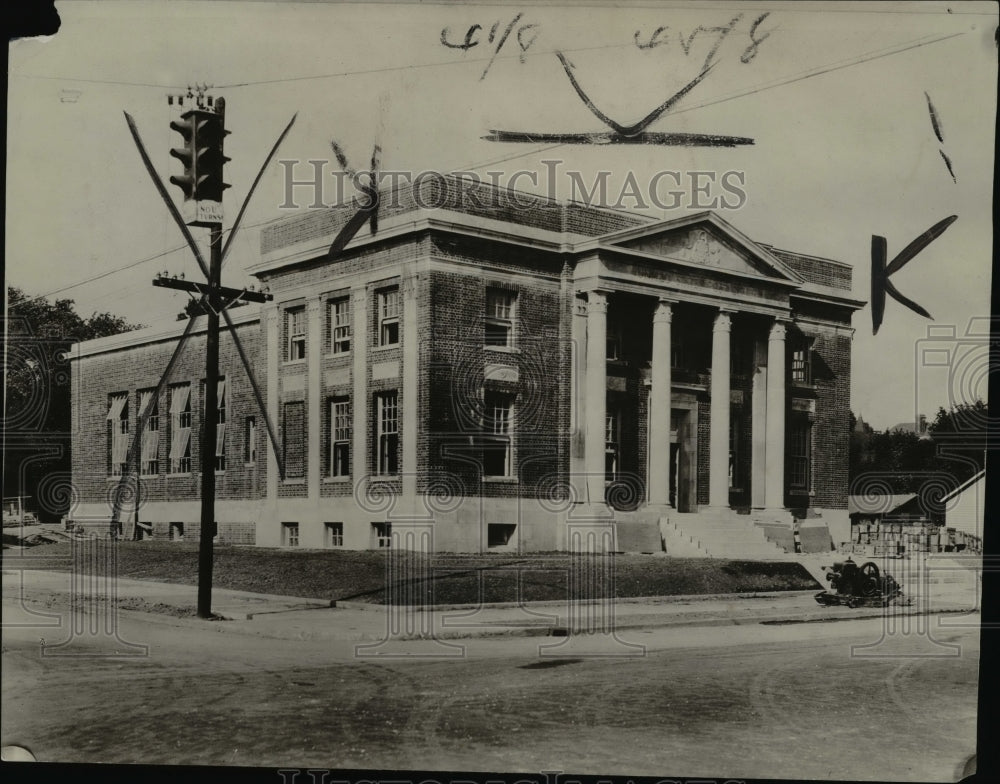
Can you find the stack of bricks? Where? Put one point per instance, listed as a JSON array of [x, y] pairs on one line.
[[873, 539]]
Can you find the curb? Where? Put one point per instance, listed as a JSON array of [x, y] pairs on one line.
[[350, 604], [222, 625]]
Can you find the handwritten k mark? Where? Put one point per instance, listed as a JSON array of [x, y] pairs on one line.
[[881, 285]]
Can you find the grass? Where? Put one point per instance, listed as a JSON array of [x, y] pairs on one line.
[[448, 578]]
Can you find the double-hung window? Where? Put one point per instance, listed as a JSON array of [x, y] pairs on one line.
[[295, 329], [339, 316], [498, 446], [499, 318], [340, 436], [387, 433], [799, 456], [117, 433], [149, 459], [387, 304], [180, 429]]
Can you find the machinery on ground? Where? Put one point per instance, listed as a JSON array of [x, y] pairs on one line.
[[858, 586]]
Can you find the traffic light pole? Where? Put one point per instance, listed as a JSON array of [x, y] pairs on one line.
[[204, 132], [210, 431]]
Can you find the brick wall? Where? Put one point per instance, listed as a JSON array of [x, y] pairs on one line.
[[825, 272], [453, 193], [140, 368], [832, 368], [455, 377]]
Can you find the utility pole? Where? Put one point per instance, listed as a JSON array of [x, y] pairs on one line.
[[203, 130], [211, 428]]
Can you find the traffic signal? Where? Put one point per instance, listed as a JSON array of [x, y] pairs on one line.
[[210, 135], [186, 126], [204, 134]]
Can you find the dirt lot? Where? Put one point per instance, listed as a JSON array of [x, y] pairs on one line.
[[444, 578]]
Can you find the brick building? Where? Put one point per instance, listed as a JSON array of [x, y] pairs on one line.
[[499, 365]]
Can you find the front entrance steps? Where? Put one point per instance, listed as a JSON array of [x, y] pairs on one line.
[[717, 533]]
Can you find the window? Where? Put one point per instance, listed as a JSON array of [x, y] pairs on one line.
[[499, 534], [340, 437], [382, 534], [177, 532], [499, 321], [220, 419], [799, 454], [498, 434], [294, 439], [180, 429], [339, 316], [295, 328], [800, 365], [334, 534], [250, 440], [387, 433], [614, 339], [388, 317], [290, 534], [612, 429], [678, 351], [149, 459], [220, 432], [117, 433], [735, 426]]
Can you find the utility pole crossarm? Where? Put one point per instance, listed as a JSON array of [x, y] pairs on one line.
[[223, 292]]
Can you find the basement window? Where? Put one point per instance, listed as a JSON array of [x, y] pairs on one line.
[[382, 534], [290, 534], [177, 532], [334, 534], [499, 534]]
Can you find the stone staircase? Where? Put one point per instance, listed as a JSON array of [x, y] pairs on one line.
[[717, 534]]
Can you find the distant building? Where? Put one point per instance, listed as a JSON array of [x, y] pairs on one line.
[[889, 508], [965, 506], [500, 366], [919, 427]]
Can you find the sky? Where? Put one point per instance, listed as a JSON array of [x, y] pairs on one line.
[[835, 96]]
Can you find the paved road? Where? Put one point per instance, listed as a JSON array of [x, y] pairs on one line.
[[782, 701]]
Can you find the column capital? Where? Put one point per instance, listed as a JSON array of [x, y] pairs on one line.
[[777, 330], [597, 300], [664, 310], [723, 321]]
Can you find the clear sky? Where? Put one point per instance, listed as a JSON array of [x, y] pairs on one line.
[[835, 97]]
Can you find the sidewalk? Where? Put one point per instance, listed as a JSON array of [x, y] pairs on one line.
[[297, 618]]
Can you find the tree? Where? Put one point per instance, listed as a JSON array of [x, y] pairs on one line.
[[37, 421], [951, 452]]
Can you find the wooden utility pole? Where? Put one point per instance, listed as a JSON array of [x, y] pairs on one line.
[[208, 437], [203, 129]]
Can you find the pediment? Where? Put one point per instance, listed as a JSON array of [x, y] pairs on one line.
[[708, 245]]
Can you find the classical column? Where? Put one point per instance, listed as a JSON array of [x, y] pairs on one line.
[[314, 354], [774, 483], [718, 468], [410, 393], [758, 425], [658, 484], [360, 337], [595, 391], [271, 316]]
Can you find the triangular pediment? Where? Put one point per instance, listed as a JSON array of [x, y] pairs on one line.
[[706, 241]]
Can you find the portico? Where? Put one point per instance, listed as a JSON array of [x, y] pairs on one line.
[[682, 338]]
